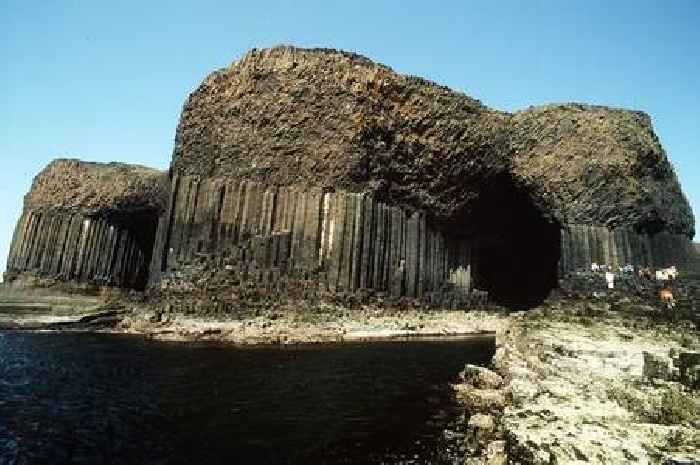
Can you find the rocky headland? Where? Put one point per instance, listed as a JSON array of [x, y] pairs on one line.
[[314, 195], [315, 173], [87, 225]]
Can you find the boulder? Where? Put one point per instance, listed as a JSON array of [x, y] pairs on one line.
[[481, 377], [482, 424], [688, 364], [481, 400], [656, 366], [496, 453], [481, 429]]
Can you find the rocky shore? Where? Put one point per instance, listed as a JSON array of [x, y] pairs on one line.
[[294, 323], [288, 322], [578, 381], [316, 196], [586, 377]]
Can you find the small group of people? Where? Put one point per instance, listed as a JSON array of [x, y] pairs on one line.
[[627, 269], [667, 274], [596, 268], [609, 274], [663, 276]]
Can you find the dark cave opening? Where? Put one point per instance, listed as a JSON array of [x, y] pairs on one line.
[[516, 249], [142, 225]]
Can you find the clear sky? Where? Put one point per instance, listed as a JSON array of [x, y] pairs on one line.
[[105, 81]]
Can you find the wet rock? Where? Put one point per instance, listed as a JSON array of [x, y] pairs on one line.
[[528, 452], [481, 377], [481, 400], [500, 359]]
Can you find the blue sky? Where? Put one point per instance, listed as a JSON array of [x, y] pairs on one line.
[[105, 81]]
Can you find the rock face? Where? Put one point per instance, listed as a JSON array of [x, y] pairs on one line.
[[90, 223], [325, 164], [321, 171], [233, 236], [326, 118], [332, 119], [602, 173], [98, 189], [598, 166]]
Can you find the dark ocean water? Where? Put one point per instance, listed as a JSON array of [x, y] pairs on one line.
[[68, 398]]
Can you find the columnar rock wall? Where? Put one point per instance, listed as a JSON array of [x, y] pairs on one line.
[[345, 241], [88, 223], [329, 118], [454, 168], [321, 166], [76, 248], [583, 245]]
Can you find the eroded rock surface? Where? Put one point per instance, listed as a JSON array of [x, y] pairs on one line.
[[334, 119], [98, 189], [88, 223], [318, 143], [332, 169], [580, 393], [598, 165]]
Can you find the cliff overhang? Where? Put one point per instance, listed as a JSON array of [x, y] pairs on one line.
[[90, 223], [296, 166]]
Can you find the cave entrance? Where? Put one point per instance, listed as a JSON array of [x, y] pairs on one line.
[[142, 225], [515, 250]]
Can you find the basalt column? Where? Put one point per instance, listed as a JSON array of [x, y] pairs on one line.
[[88, 223], [341, 175], [77, 248], [618, 247], [344, 241]]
